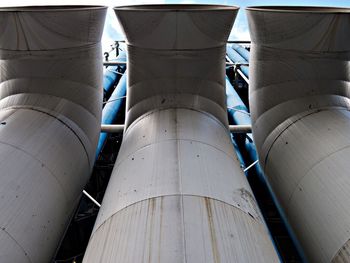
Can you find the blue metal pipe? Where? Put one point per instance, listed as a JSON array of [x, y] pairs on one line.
[[110, 76], [235, 106], [238, 152], [240, 115], [245, 70], [241, 51], [111, 110], [237, 58]]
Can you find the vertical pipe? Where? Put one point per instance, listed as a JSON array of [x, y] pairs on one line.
[[50, 110], [299, 101], [240, 115], [235, 106], [177, 193]]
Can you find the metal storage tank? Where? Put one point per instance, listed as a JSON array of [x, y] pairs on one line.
[[299, 100], [177, 193], [50, 107]]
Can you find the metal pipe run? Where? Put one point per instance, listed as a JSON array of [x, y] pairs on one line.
[[299, 101], [240, 116], [50, 111], [91, 198], [177, 192], [118, 63], [110, 75], [241, 51], [111, 109], [114, 63], [239, 41], [242, 65], [244, 75]]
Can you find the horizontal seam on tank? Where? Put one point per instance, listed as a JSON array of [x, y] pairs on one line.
[[165, 95], [172, 108], [289, 125], [168, 140], [303, 80], [182, 195], [298, 51], [27, 107], [51, 95], [318, 95], [312, 167], [39, 161], [339, 250], [196, 50], [25, 253], [29, 52], [51, 78]]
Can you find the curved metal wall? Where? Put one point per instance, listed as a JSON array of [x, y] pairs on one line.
[[299, 100], [177, 193], [50, 107]]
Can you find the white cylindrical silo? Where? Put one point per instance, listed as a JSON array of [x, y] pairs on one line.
[[177, 192], [299, 100], [50, 107]]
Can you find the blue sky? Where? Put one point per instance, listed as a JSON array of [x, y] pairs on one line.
[[240, 28]]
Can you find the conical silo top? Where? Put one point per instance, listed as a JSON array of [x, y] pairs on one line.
[[30, 28], [308, 28], [176, 26]]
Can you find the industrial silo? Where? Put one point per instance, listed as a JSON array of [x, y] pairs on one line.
[[177, 192], [50, 107], [299, 100]]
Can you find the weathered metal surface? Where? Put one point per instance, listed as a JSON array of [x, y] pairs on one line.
[[180, 228], [178, 153], [50, 107], [177, 192], [299, 102]]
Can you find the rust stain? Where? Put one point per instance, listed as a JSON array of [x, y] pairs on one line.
[[251, 203], [343, 255], [151, 212], [213, 238]]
